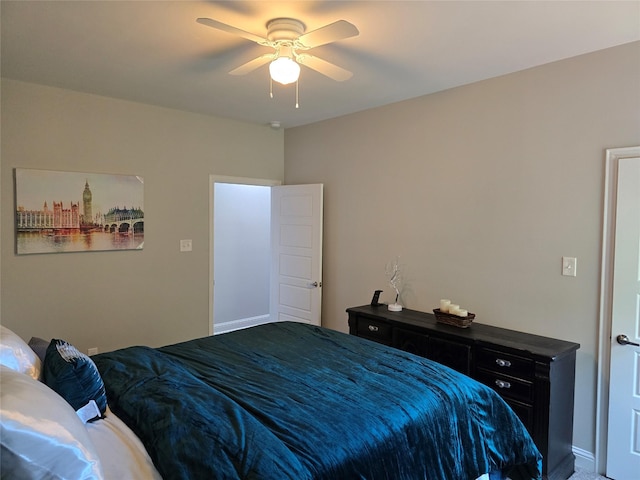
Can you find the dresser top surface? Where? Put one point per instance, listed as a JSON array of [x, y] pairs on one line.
[[477, 332]]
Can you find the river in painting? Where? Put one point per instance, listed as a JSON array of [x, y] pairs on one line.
[[36, 242]]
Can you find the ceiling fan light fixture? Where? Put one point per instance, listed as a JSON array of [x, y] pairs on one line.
[[284, 70]]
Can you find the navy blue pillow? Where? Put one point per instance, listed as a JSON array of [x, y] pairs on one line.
[[73, 375]]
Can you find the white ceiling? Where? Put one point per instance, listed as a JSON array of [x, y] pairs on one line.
[[154, 51]]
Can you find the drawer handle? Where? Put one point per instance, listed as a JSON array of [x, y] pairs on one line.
[[503, 384], [373, 328], [503, 363]]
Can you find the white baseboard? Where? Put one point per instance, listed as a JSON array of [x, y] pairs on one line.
[[584, 460], [225, 327]]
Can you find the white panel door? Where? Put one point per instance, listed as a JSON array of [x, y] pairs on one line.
[[623, 444], [296, 253]]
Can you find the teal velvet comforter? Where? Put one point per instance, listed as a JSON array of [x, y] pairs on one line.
[[293, 401]]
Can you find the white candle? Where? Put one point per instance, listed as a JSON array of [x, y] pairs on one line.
[[453, 309], [444, 305], [462, 312]]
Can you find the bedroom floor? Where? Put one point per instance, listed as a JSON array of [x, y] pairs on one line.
[[584, 475]]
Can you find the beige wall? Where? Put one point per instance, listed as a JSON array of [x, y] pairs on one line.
[[113, 299], [480, 190]]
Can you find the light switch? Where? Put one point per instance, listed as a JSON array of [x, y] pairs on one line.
[[185, 245], [569, 266]]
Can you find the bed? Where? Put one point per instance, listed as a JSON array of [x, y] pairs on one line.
[[293, 401]]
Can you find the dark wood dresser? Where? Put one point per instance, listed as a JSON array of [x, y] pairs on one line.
[[535, 375]]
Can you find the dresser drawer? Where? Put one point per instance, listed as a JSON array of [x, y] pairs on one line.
[[525, 413], [505, 363], [507, 387], [411, 342], [452, 354], [374, 330]]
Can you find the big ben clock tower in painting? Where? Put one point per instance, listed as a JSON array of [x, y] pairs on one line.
[[86, 202]]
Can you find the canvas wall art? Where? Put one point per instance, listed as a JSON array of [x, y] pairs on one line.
[[78, 212]]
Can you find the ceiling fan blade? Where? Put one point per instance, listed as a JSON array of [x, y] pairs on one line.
[[325, 68], [329, 33], [209, 22], [251, 65]]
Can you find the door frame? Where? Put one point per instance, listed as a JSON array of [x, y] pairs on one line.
[[225, 179], [613, 155]]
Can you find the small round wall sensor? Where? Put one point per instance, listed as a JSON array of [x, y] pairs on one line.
[[275, 125]]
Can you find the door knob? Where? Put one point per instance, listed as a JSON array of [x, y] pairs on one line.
[[624, 340], [315, 284]]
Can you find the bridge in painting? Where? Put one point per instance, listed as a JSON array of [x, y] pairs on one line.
[[124, 220], [135, 225]]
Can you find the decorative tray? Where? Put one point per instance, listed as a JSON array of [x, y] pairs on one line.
[[455, 320]]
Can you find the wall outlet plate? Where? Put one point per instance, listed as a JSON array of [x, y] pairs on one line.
[[186, 245], [569, 266]]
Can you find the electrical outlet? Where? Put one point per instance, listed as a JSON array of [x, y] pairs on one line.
[[569, 266], [93, 351], [185, 245]]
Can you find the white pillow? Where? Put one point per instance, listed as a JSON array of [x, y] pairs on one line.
[[122, 454], [17, 355], [41, 436]]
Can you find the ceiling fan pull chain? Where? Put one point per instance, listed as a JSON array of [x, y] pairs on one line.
[[297, 83], [270, 86]]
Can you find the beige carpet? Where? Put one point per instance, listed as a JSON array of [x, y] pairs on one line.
[[584, 475]]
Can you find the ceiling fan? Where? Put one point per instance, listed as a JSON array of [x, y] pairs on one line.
[[290, 42]]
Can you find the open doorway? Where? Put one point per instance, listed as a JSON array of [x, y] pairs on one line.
[[265, 253], [240, 252]]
